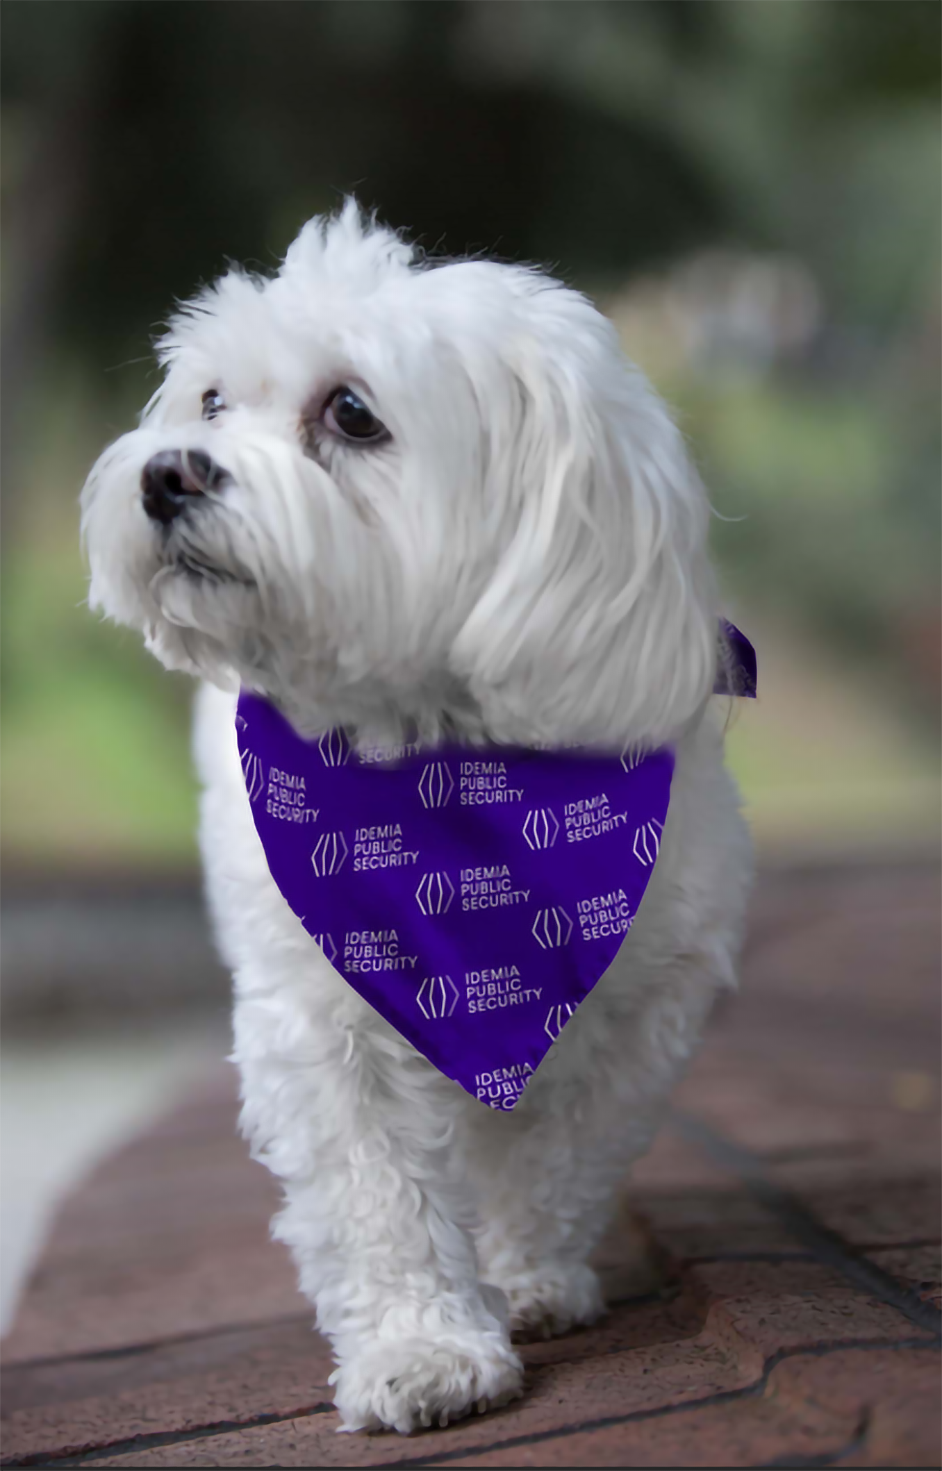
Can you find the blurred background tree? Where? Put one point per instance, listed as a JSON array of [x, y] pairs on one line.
[[752, 191]]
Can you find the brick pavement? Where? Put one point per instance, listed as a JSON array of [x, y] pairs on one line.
[[788, 1316]]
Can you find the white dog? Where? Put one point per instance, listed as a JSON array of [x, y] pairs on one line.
[[404, 496]]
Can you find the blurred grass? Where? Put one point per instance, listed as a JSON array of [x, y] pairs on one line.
[[831, 552], [95, 740], [96, 763], [836, 755]]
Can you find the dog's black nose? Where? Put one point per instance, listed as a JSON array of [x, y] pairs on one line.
[[171, 479]]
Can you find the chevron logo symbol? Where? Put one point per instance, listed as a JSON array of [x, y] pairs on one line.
[[334, 748], [631, 757], [330, 854], [254, 773], [436, 784], [557, 1018], [647, 842], [552, 928], [435, 893], [540, 827], [326, 942], [438, 997]]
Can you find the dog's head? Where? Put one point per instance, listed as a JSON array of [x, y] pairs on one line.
[[379, 489]]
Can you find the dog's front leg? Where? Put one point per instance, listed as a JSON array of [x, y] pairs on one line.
[[547, 1179], [362, 1131]]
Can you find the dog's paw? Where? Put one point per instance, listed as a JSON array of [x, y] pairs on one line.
[[406, 1385], [553, 1299]]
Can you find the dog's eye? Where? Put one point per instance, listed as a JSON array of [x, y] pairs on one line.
[[213, 403], [346, 414]]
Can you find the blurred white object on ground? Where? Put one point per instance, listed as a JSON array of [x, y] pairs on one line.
[[69, 1099]]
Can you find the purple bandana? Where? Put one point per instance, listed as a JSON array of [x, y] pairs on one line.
[[472, 897]]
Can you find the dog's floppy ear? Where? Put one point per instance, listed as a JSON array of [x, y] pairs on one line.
[[598, 622]]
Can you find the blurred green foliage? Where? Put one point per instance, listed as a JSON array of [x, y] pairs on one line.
[[96, 763], [838, 522]]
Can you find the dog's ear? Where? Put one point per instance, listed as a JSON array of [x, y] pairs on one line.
[[598, 622]]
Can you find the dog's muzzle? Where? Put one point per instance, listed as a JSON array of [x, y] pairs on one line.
[[172, 480]]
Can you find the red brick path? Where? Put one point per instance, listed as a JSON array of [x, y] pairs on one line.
[[793, 1207]]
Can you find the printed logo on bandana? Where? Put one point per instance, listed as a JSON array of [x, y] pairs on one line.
[[485, 782], [502, 1087], [382, 846], [326, 943], [436, 784], [254, 773], [591, 817], [551, 928], [494, 989], [444, 886], [490, 888], [647, 842], [435, 893], [334, 748], [375, 950], [604, 915], [330, 854], [438, 997], [541, 827], [286, 799], [472, 897], [557, 1019]]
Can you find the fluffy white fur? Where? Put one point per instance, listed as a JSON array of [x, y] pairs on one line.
[[523, 560]]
